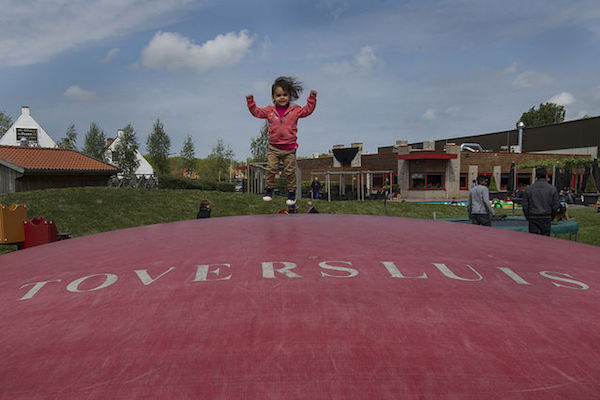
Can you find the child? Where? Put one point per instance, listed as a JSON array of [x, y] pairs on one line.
[[204, 211], [282, 119]]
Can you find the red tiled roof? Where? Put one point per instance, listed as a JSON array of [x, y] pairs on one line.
[[52, 159]]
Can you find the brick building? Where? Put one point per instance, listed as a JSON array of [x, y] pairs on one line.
[[428, 173]]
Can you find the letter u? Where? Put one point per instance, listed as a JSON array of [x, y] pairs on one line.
[[446, 271]]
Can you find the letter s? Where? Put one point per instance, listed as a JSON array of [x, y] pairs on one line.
[[351, 272], [548, 274]]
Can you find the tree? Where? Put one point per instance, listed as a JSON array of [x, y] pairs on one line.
[[158, 145], [188, 155], [221, 158], [70, 139], [590, 186], [5, 123], [493, 187], [124, 154], [548, 113], [259, 145], [95, 142]]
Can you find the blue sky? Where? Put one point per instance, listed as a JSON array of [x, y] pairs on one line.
[[384, 70]]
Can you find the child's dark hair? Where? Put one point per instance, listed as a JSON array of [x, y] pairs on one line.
[[290, 85]]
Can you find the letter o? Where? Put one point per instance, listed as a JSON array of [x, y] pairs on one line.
[[74, 286]]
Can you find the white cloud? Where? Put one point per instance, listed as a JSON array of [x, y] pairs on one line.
[[364, 60], [453, 111], [35, 30], [335, 7], [563, 98], [429, 115], [531, 78], [265, 46], [582, 114], [511, 69], [110, 55], [171, 51], [76, 93], [341, 68]]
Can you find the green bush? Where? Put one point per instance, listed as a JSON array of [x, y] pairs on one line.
[[590, 186], [180, 182], [493, 187]]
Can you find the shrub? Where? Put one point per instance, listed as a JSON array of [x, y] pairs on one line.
[[493, 187], [590, 186], [179, 182]]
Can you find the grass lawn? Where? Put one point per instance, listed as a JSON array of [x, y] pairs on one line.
[[85, 211]]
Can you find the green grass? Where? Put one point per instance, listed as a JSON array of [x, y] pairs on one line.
[[85, 211]]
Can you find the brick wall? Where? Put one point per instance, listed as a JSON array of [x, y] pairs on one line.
[[487, 161]]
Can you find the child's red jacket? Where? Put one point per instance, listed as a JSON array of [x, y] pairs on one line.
[[283, 131]]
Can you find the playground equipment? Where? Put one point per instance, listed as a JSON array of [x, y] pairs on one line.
[[311, 306], [11, 223]]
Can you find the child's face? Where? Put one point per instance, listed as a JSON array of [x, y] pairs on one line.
[[281, 97]]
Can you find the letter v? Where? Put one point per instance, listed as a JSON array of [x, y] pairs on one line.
[[147, 279]]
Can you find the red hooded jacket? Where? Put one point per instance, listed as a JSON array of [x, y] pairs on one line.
[[283, 131]]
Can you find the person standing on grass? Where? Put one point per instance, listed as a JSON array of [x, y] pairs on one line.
[[540, 204], [315, 187], [282, 118], [479, 208]]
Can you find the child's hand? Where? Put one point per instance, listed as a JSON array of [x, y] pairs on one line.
[[249, 97], [313, 93]]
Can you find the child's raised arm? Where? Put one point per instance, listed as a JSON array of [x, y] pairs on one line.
[[311, 103], [256, 111]]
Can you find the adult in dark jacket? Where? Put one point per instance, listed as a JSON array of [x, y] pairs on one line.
[[315, 187], [540, 204], [310, 208]]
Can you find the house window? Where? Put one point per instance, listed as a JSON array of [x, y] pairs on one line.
[[464, 181], [487, 176], [380, 179], [434, 181], [426, 181], [523, 179], [417, 181], [504, 181]]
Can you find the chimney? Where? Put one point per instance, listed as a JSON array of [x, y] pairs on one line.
[[25, 110], [347, 156], [359, 145]]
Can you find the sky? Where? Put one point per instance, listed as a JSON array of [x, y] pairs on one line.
[[384, 70]]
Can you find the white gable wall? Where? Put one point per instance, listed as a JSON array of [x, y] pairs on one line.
[[27, 123], [144, 169]]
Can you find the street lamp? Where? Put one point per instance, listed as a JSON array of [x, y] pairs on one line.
[[520, 126]]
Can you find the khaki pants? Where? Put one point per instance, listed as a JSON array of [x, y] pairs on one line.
[[289, 166]]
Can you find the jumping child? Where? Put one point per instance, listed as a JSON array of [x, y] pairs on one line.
[[282, 119]]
